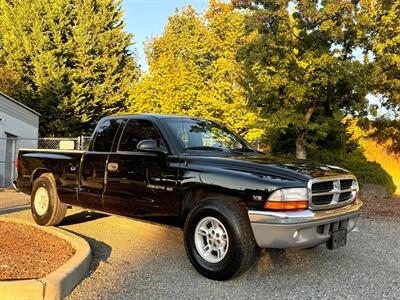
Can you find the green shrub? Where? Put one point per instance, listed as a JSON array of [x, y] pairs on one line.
[[355, 162]]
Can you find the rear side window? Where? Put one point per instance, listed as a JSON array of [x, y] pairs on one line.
[[105, 135], [136, 131]]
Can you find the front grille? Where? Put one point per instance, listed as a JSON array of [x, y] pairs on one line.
[[344, 196], [332, 192], [346, 184], [322, 200], [320, 187]]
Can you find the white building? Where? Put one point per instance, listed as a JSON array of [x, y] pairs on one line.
[[19, 127]]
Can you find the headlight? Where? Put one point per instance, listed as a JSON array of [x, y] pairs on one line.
[[285, 199]]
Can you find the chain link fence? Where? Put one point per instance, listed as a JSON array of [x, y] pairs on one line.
[[9, 149]]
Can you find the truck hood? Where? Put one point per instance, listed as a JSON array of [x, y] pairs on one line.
[[270, 165]]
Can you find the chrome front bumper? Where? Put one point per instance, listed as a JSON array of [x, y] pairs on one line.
[[302, 229]]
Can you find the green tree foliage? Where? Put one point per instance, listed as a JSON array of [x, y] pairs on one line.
[[71, 57], [33, 46], [103, 68], [12, 84], [387, 131], [300, 68], [379, 32], [193, 70]]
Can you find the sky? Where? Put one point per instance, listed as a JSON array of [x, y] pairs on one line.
[[146, 18]]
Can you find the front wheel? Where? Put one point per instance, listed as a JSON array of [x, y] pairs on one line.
[[218, 238], [46, 208]]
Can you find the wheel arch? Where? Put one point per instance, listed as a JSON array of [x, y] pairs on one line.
[[38, 172], [195, 194]]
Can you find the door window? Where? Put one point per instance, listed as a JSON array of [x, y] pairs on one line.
[[105, 134], [136, 131]]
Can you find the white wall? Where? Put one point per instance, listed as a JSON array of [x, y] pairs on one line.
[[20, 121]]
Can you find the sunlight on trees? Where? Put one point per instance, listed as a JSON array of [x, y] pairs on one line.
[[193, 70]]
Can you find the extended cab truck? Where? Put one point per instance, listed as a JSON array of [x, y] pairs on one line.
[[229, 198]]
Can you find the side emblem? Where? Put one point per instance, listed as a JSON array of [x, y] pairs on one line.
[[257, 198], [160, 187]]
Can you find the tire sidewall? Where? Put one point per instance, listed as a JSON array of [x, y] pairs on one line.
[[46, 183], [231, 262]]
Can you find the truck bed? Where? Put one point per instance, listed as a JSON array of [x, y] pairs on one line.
[[63, 164]]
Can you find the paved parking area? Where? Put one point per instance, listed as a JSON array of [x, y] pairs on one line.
[[133, 260]]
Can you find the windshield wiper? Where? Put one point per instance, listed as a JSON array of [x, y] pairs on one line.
[[210, 148], [205, 148]]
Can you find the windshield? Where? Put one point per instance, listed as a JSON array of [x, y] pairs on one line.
[[203, 135]]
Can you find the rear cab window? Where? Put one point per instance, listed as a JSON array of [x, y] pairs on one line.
[[105, 135]]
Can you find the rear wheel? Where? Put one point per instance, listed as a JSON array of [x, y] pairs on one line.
[[218, 238], [46, 208]]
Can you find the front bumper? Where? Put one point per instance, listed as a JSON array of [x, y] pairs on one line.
[[302, 229]]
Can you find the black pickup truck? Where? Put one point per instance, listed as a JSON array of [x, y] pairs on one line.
[[229, 198]]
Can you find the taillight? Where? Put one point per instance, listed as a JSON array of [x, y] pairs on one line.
[[16, 164]]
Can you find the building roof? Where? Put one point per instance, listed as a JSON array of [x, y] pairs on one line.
[[19, 103]]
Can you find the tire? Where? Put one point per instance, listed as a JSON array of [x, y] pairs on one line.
[[234, 254], [47, 209]]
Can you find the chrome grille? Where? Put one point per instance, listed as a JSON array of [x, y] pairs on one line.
[[333, 191], [344, 196], [346, 184], [320, 187], [321, 200]]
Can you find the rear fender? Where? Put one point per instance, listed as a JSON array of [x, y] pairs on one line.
[[37, 172]]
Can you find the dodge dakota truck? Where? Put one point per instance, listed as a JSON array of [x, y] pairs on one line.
[[229, 199]]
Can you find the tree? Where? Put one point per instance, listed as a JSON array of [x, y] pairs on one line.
[[34, 49], [103, 68], [379, 32], [72, 58], [193, 70], [299, 66], [12, 85]]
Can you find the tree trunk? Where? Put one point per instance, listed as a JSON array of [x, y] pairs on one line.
[[301, 151]]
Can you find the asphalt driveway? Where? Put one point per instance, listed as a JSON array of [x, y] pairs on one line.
[[133, 260]]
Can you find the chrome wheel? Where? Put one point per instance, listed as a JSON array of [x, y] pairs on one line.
[[41, 201], [211, 239]]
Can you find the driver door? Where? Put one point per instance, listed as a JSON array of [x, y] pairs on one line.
[[140, 184]]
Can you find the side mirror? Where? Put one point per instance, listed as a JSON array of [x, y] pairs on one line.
[[150, 146]]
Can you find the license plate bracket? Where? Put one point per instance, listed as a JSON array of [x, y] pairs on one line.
[[338, 239]]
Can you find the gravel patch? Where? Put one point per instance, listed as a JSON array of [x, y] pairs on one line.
[[388, 207], [29, 253]]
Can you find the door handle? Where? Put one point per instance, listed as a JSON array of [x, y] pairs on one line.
[[112, 167]]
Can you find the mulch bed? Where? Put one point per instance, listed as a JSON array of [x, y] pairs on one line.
[[388, 207], [29, 253]]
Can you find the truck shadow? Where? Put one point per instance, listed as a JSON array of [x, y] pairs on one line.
[[278, 257], [82, 217], [100, 251], [13, 209]]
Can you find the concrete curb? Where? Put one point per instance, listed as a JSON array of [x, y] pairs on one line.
[[57, 284]]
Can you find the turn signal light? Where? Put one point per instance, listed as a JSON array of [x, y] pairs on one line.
[[356, 197], [286, 205], [287, 199]]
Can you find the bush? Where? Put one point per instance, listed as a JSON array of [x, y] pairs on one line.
[[355, 162]]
